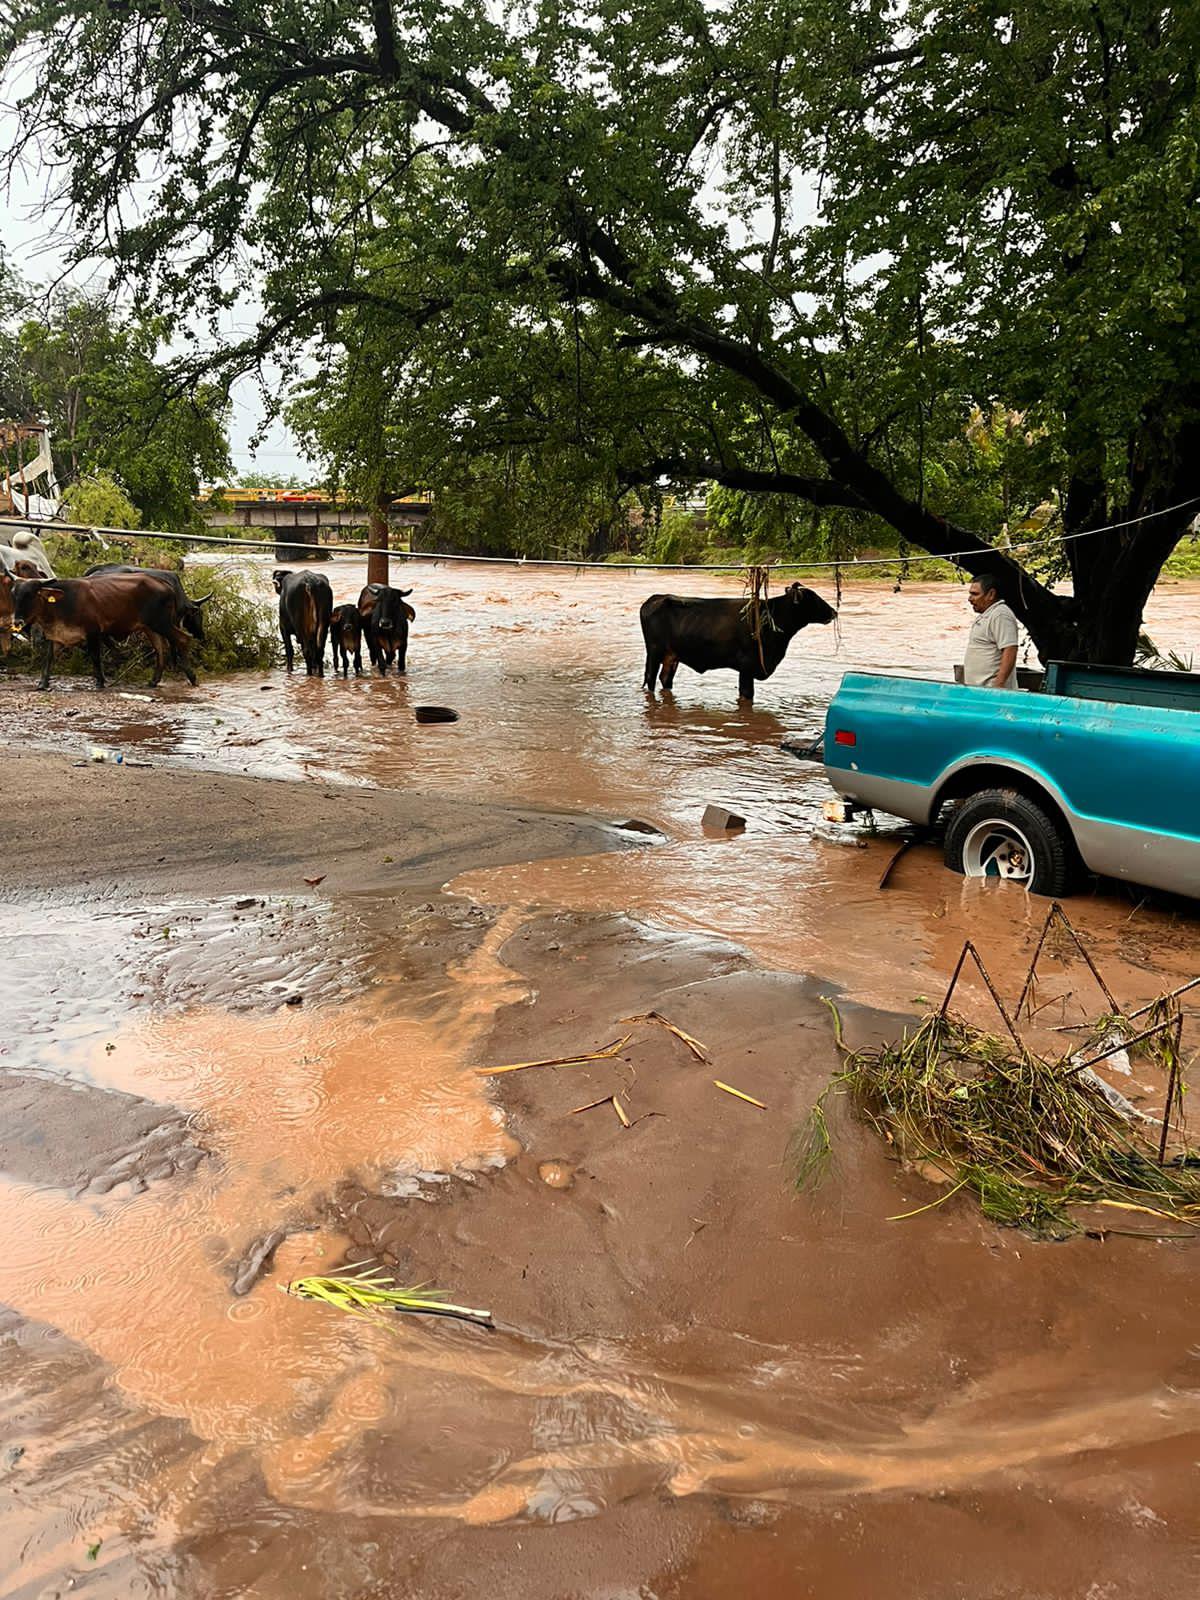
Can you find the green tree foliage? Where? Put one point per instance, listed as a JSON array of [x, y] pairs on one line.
[[259, 479], [811, 240], [99, 501], [113, 408]]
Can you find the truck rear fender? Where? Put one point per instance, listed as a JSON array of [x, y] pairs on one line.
[[973, 774]]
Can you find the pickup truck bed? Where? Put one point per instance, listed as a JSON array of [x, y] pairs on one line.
[[1044, 781]]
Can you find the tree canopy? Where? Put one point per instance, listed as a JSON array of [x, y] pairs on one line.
[[787, 241]]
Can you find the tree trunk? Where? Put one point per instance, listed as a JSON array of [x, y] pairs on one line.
[[377, 564]]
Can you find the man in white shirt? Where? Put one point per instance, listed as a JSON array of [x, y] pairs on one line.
[[991, 659]]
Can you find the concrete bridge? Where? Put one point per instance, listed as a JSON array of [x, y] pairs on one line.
[[305, 521]]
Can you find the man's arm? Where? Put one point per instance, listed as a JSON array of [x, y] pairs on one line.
[[1008, 660]]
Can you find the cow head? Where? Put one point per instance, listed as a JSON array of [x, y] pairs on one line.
[[386, 607], [278, 576], [33, 599], [192, 617], [804, 606]]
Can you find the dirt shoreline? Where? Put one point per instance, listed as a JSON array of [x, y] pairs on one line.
[[105, 830]]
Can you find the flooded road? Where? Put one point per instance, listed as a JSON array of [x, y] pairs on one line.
[[700, 1384]]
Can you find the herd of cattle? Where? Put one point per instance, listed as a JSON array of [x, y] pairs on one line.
[[115, 602], [307, 614]]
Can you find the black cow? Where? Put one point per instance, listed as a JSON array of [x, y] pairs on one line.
[[710, 635], [305, 606], [345, 639], [386, 616], [116, 605], [190, 614]]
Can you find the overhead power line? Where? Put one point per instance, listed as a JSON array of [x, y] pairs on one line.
[[280, 538]]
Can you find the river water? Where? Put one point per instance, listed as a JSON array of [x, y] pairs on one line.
[[178, 1004]]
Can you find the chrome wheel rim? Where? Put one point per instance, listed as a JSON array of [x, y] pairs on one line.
[[998, 849]]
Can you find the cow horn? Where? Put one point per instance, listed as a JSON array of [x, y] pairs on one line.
[[403, 591], [203, 599]]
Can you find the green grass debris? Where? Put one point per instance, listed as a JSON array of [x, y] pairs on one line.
[[1033, 1139]]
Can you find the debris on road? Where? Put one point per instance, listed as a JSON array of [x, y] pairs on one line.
[[1034, 1138], [434, 714], [604, 1054], [368, 1294], [256, 1260], [737, 1093], [556, 1174], [697, 1049], [717, 819]]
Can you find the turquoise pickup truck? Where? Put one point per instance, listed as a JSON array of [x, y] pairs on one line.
[[1100, 770]]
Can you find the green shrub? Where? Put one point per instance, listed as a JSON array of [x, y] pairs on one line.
[[1184, 560], [71, 554], [240, 631], [99, 500], [678, 538]]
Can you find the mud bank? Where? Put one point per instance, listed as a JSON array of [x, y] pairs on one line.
[[814, 1399], [701, 1384], [105, 831]]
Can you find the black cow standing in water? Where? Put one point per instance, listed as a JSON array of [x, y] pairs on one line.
[[386, 616], [305, 606], [345, 639], [715, 635]]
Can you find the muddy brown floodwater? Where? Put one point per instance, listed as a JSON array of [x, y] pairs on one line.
[[700, 1383]]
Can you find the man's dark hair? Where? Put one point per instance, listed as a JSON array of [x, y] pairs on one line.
[[987, 581]]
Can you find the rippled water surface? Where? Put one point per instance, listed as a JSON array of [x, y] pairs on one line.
[[545, 670]]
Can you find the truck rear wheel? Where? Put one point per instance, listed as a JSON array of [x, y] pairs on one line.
[[999, 833]]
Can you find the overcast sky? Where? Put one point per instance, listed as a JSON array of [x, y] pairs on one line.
[[33, 248]]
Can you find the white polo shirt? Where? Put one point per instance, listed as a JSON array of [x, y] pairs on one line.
[[992, 632]]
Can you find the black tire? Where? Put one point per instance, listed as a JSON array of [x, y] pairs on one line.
[[1020, 821]]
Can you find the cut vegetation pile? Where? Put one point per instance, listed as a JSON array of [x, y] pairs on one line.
[[1036, 1139]]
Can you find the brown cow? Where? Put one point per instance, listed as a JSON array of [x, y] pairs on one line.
[[86, 611], [6, 612]]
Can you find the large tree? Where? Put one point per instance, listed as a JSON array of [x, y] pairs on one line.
[[807, 222]]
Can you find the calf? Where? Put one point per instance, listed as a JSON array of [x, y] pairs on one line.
[[386, 616], [305, 606], [708, 635], [86, 611], [345, 639], [190, 614]]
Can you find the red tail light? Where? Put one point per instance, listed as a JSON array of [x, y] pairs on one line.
[[844, 736]]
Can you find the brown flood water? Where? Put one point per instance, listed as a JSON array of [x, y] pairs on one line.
[[371, 1080]]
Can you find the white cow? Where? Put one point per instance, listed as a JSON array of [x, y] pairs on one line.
[[20, 545]]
